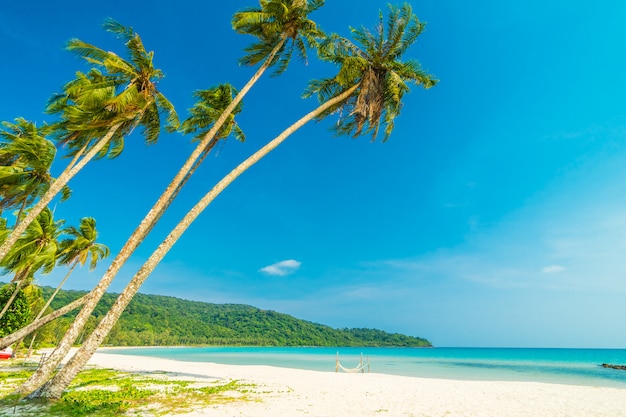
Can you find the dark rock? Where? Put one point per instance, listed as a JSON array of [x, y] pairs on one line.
[[620, 367]]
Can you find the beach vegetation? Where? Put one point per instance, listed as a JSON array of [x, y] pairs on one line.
[[98, 392]]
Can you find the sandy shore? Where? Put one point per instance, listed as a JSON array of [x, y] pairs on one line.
[[292, 392]]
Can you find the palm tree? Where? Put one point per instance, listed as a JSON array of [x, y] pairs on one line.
[[93, 114], [34, 251], [206, 111], [80, 248], [25, 160], [356, 93], [290, 16], [74, 251]]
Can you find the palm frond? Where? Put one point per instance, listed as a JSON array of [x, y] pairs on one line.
[[209, 108], [172, 122]]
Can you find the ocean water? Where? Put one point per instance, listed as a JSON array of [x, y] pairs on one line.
[[561, 366]]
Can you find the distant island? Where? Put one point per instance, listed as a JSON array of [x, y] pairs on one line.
[[156, 320]]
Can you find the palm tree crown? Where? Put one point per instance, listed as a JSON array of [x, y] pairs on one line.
[[373, 63], [209, 107], [278, 22], [25, 160], [36, 250], [82, 245], [85, 116], [125, 93]]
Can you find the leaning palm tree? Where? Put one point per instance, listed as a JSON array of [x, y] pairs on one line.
[[277, 24], [357, 95], [25, 160], [211, 105], [76, 250], [33, 252], [93, 112]]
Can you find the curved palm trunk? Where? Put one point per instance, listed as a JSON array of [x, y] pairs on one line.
[[56, 291], [19, 213], [54, 189], [55, 387], [43, 309], [25, 331], [44, 372]]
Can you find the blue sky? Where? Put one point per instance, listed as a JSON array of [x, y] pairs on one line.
[[494, 216]]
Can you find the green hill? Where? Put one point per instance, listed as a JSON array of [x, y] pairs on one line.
[[153, 320]]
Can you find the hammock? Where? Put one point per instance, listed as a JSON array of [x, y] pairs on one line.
[[359, 368]]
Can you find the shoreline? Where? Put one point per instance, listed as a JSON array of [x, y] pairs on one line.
[[296, 392], [491, 369]]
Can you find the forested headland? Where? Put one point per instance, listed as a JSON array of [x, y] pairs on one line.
[[156, 320]]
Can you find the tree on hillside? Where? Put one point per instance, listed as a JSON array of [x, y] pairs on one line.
[[17, 335], [276, 24], [95, 114], [368, 89], [19, 312]]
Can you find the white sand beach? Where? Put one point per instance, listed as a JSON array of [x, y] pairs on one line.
[[292, 393]]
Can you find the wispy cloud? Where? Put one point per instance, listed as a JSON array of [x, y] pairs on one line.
[[552, 269], [282, 268]]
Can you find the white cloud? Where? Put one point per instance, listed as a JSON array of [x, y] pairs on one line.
[[553, 269], [282, 268]]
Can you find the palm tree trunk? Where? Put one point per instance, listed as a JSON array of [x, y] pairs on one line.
[[56, 291], [18, 287], [44, 372], [54, 189], [25, 331], [55, 387], [43, 309], [19, 213]]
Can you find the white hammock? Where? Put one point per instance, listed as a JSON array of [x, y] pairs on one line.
[[360, 367]]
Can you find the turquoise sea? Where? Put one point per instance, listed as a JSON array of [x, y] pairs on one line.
[[562, 366]]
